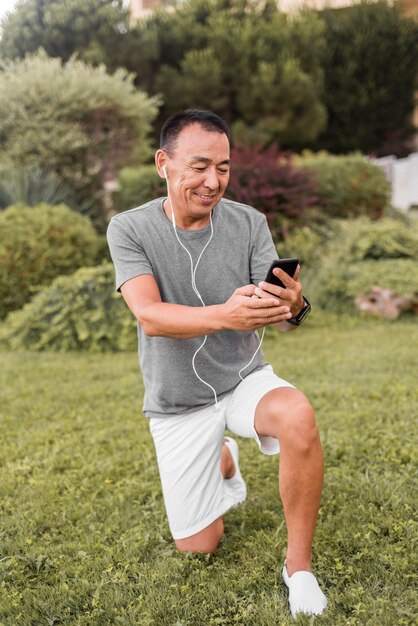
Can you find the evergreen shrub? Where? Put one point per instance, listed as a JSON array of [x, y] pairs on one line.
[[75, 120], [347, 186], [138, 185], [338, 286], [308, 242], [77, 312], [363, 254], [39, 243], [37, 185], [363, 239]]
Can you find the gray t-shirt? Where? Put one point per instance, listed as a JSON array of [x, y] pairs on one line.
[[142, 241]]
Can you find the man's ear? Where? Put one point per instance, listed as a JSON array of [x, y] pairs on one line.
[[160, 163]]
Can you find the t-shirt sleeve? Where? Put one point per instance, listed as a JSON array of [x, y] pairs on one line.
[[127, 252], [263, 251]]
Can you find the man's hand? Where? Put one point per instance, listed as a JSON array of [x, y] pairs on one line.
[[290, 297], [245, 310]]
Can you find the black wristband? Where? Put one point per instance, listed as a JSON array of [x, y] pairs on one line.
[[301, 316]]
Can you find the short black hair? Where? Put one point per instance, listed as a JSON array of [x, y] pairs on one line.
[[177, 122]]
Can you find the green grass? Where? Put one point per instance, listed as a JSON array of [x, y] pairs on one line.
[[83, 535]]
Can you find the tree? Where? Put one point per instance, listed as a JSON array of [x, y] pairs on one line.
[[371, 73], [246, 60], [252, 64], [73, 119], [92, 28]]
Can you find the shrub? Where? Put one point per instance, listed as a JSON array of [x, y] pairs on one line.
[[36, 185], [364, 254], [363, 239], [347, 186], [267, 180], [138, 185], [77, 312], [73, 119], [36, 245], [338, 286], [308, 243]]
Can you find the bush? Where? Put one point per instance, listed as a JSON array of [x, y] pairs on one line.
[[308, 243], [365, 254], [362, 239], [36, 245], [73, 119], [338, 286], [37, 185], [267, 180], [347, 186], [138, 185], [77, 312]]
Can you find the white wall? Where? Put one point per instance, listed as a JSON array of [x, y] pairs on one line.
[[403, 176]]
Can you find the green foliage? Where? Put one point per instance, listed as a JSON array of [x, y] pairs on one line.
[[62, 28], [73, 119], [364, 254], [347, 186], [363, 239], [36, 245], [245, 60], [77, 312], [371, 69], [337, 286], [36, 185], [342, 80], [84, 536], [307, 243], [138, 185]]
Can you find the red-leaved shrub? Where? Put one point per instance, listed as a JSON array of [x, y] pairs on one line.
[[267, 180]]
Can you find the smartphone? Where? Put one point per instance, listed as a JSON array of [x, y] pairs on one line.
[[288, 265]]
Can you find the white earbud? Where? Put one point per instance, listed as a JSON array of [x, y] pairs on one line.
[[165, 171]]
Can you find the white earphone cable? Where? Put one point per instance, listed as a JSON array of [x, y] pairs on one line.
[[193, 270], [195, 289], [253, 357]]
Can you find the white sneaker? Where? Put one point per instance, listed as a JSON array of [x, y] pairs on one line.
[[305, 595], [235, 486]]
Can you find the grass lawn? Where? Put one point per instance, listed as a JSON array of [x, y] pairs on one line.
[[83, 535]]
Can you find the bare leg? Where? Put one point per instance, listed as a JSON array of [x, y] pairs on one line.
[[205, 541], [287, 415], [227, 463]]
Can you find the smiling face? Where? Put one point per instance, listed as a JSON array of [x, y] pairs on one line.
[[197, 174]]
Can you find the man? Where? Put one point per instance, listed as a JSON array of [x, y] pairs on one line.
[[191, 268]]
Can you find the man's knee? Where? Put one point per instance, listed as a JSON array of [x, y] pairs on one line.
[[206, 541], [302, 430], [291, 419]]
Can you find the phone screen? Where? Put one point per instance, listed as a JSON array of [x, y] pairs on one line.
[[288, 265]]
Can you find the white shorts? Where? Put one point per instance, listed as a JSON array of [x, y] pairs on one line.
[[188, 449]]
